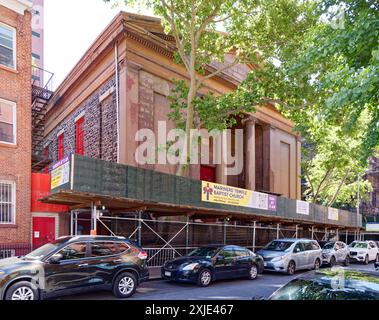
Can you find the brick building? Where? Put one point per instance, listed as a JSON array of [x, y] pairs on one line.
[[15, 125], [86, 102], [120, 86]]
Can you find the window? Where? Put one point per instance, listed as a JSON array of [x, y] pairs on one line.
[[74, 251], [241, 252], [4, 254], [102, 249], [7, 122], [60, 146], [7, 202], [315, 245], [7, 46], [308, 246], [123, 247], [298, 248], [80, 136]]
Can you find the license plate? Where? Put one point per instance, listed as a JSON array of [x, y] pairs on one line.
[[167, 274]]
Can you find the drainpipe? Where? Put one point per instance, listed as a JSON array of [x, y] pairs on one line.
[[117, 100]]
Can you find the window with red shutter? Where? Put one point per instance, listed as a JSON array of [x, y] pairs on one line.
[[80, 136], [60, 147]]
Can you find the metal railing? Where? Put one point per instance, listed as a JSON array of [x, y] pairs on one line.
[[8, 250], [42, 78]]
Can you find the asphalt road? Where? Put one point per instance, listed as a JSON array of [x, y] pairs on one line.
[[264, 286]]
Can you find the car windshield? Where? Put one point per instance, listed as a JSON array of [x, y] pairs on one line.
[[45, 250], [204, 252], [361, 245], [279, 245], [300, 289], [329, 246]]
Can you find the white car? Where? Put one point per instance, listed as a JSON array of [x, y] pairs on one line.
[[364, 251], [334, 252]]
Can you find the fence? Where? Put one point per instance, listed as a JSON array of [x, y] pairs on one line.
[[14, 250]]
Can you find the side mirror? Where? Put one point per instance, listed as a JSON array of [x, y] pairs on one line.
[[56, 258]]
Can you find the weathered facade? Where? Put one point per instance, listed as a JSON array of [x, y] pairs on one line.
[[145, 70], [15, 126]]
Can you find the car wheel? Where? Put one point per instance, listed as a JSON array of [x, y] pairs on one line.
[[125, 285], [367, 260], [317, 264], [205, 278], [291, 268], [347, 261], [253, 272], [22, 291], [332, 261]]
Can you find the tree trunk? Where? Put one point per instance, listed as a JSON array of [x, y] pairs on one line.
[[189, 126], [338, 189]]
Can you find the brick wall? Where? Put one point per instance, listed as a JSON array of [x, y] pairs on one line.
[[100, 126], [15, 161]]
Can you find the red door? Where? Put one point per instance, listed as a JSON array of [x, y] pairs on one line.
[[208, 173], [43, 231]]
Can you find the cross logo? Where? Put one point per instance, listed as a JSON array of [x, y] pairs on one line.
[[208, 191]]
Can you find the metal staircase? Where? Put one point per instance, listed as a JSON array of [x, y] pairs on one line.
[[41, 95]]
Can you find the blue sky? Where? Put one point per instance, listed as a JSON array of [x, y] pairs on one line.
[[70, 28]]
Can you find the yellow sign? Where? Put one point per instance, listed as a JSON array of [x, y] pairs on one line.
[[222, 194], [60, 173]]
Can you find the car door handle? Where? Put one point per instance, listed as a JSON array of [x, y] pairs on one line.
[[83, 265], [117, 261]]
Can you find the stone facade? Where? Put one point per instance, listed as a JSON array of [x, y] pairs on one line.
[[100, 127], [15, 160]]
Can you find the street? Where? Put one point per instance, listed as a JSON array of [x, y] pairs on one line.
[[242, 289]]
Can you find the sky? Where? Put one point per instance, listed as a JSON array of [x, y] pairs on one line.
[[71, 26]]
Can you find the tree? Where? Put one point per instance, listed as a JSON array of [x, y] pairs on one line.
[[223, 33], [327, 83]]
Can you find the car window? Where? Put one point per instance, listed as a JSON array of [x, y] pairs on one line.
[[228, 253], [315, 245], [241, 252], [101, 249], [299, 247], [308, 246], [278, 245], [359, 245], [74, 251], [122, 247]]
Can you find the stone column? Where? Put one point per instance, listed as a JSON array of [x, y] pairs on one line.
[[129, 108], [250, 153]]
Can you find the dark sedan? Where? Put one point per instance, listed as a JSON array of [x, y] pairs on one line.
[[207, 264], [74, 264], [331, 284]]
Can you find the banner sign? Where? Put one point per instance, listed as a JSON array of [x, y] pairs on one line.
[[372, 227], [333, 214], [218, 193], [302, 207], [60, 173]]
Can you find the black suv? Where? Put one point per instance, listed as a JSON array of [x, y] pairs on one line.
[[207, 264], [74, 264]]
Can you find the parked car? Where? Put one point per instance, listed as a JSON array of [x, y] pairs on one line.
[[207, 264], [289, 255], [364, 251], [377, 266], [334, 252], [331, 284], [74, 264]]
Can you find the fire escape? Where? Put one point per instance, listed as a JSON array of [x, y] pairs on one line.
[[41, 95]]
